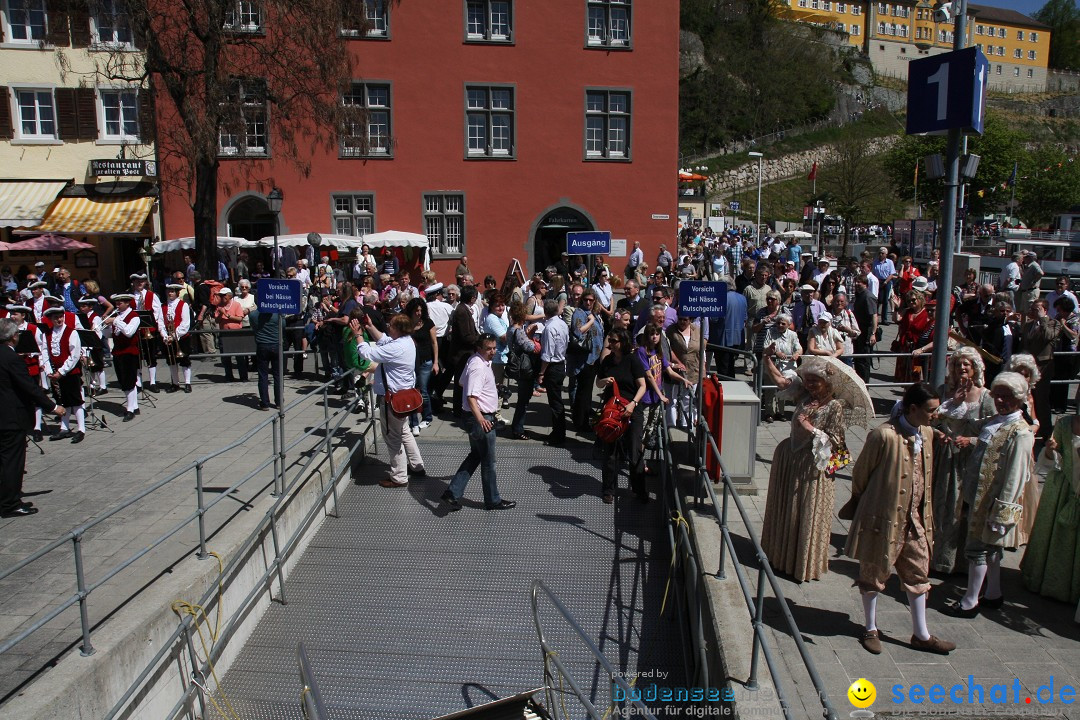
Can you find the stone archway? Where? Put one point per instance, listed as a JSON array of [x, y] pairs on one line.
[[249, 218], [549, 233]]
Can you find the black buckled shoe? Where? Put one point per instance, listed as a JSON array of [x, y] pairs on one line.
[[502, 505]]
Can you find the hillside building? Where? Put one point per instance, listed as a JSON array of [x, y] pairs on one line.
[[495, 127], [76, 155], [893, 34]]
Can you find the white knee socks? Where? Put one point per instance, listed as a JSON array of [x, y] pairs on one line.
[[80, 418], [187, 376], [917, 605], [153, 374], [132, 400], [976, 575], [37, 419], [869, 606]]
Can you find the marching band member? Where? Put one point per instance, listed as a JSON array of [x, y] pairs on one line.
[[21, 314], [150, 347], [125, 327], [51, 301], [37, 299], [177, 337], [90, 320], [60, 363]]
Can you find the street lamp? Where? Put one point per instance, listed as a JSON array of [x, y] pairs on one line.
[[274, 199], [757, 228], [144, 255]]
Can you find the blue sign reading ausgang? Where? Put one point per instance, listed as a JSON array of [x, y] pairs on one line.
[[702, 299], [596, 242], [276, 295]]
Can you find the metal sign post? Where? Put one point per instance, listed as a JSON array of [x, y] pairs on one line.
[[706, 301]]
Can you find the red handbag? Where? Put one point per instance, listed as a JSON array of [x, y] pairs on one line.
[[613, 422], [403, 402]]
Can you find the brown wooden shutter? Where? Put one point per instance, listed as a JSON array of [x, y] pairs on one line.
[[67, 120], [80, 25], [57, 20], [147, 121], [86, 112], [7, 131]]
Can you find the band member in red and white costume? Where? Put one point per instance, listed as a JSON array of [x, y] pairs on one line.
[[21, 315], [61, 363], [125, 354], [177, 314], [150, 347], [91, 321], [51, 301], [37, 300]]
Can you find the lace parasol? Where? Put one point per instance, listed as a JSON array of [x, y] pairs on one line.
[[847, 387]]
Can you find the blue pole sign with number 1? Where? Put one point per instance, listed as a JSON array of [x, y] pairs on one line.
[[947, 91]]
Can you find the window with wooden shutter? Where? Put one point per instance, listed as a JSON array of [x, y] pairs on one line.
[[67, 119], [57, 33], [80, 25], [7, 132], [86, 112], [146, 117]]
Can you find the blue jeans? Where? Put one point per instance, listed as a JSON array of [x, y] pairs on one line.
[[423, 380], [266, 360], [482, 455]]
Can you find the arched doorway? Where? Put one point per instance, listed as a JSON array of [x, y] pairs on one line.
[[549, 238], [250, 219]]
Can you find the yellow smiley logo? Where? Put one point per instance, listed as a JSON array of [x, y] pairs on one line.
[[862, 693]]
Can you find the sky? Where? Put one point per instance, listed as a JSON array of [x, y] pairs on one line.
[[1028, 7]]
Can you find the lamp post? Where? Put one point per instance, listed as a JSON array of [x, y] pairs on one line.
[[757, 227], [144, 255], [274, 199]]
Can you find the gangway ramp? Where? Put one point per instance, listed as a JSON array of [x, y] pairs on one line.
[[409, 611]]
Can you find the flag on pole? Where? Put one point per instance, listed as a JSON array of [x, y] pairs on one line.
[[1012, 178], [813, 173], [916, 172]]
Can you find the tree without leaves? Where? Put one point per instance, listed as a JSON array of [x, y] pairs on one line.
[[210, 73], [855, 185]]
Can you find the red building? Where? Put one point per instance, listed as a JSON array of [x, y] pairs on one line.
[[495, 127]]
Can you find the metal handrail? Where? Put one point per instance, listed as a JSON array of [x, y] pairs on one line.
[[755, 600], [535, 590], [310, 698], [75, 536], [196, 687]]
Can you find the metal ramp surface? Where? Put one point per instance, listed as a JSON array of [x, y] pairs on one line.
[[409, 612]]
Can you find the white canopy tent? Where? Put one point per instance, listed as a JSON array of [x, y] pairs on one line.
[[188, 243], [395, 238], [376, 241]]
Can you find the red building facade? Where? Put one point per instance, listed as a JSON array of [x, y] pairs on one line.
[[495, 127]]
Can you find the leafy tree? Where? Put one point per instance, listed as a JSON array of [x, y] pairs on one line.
[[855, 185], [1048, 183], [1063, 17], [213, 74], [999, 147]]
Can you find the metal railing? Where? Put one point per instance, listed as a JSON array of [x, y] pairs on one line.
[[196, 685], [551, 657], [193, 471], [755, 598], [310, 698]]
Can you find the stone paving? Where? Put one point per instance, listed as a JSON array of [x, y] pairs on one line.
[[1031, 639], [73, 484]]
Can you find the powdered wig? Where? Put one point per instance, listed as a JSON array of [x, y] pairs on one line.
[[1013, 382], [971, 355], [1024, 361]]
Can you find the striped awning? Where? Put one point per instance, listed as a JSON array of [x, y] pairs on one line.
[[93, 216], [23, 203]]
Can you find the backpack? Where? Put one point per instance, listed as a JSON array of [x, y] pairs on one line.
[[613, 423]]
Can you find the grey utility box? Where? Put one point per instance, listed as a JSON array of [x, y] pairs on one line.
[[742, 412]]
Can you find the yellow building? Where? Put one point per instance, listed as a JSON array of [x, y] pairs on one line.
[[76, 152], [893, 34]]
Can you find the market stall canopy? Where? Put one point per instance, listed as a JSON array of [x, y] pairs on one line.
[[24, 203], [794, 234], [47, 242], [97, 216], [691, 177], [341, 242], [395, 238], [188, 243]]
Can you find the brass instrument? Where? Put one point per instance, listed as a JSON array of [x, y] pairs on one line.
[[172, 349], [109, 316], [986, 356]]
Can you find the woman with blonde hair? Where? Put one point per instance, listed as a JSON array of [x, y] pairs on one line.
[[966, 405]]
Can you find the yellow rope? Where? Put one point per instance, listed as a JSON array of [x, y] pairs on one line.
[[679, 520], [181, 608]]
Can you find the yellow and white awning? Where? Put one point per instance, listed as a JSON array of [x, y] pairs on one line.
[[23, 203], [94, 216]]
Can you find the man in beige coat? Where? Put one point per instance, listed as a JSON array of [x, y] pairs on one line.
[[891, 513]]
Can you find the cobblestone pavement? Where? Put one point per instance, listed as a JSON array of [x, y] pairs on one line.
[[1031, 639]]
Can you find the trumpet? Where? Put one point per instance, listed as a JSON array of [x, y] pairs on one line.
[[108, 317], [173, 352]]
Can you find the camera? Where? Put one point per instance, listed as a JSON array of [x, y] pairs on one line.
[[944, 13]]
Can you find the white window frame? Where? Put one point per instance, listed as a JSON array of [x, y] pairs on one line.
[[1018, 53], [120, 138], [856, 9], [815, 4], [1016, 72], [118, 23], [854, 29], [255, 110], [444, 223], [841, 7], [1032, 54], [1031, 72], [827, 5], [903, 30], [486, 32], [352, 213], [37, 8], [35, 137], [489, 116], [244, 17], [602, 147], [1033, 37], [609, 24], [998, 71], [802, 3], [380, 143], [1001, 32], [978, 29]]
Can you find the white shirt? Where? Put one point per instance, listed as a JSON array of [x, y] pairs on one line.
[[396, 359], [636, 258], [603, 292], [184, 327], [872, 284], [74, 351], [478, 381], [248, 303], [440, 311], [1010, 277]]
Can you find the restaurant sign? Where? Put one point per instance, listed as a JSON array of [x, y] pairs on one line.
[[123, 168]]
